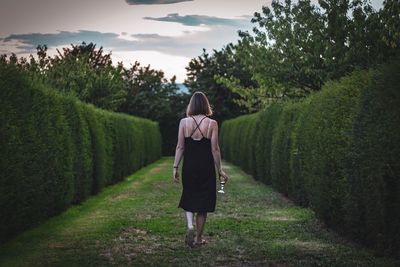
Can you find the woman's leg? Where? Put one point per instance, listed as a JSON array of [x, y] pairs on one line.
[[200, 221], [189, 219], [189, 239]]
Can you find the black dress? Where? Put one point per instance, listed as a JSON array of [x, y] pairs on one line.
[[198, 175]]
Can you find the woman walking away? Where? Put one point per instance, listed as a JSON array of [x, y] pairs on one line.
[[198, 140]]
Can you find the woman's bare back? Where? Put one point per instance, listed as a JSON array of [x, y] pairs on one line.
[[205, 126]]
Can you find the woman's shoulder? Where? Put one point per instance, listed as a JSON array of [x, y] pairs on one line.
[[213, 121], [188, 117], [183, 120]]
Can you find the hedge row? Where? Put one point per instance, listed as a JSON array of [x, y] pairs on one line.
[[56, 151], [337, 151]]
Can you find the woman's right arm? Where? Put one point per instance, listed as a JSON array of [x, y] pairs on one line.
[[180, 148], [216, 152]]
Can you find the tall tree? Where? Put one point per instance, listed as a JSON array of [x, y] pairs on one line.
[[148, 92], [296, 47], [87, 73], [151, 95], [201, 76]]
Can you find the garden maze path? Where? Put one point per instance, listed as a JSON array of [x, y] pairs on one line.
[[137, 223]]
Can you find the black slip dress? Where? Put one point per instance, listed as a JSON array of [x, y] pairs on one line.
[[198, 174]]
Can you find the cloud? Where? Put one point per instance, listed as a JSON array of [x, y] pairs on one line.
[[154, 2], [29, 42], [189, 44], [169, 53], [197, 20]]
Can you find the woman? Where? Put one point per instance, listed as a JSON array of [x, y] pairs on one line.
[[198, 137]]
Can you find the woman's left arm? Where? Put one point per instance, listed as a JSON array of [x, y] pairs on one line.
[[180, 147]]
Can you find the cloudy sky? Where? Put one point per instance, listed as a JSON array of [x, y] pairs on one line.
[[163, 33]]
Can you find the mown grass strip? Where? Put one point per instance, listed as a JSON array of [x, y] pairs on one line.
[[137, 223]]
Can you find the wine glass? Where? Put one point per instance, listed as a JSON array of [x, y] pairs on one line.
[[222, 183]]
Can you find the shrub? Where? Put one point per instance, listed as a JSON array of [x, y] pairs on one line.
[[56, 151], [324, 136], [272, 117], [335, 151], [373, 167], [281, 146]]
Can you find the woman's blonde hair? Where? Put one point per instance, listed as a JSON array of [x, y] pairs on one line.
[[198, 104]]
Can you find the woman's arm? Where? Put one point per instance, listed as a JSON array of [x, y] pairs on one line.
[[216, 151], [180, 147]]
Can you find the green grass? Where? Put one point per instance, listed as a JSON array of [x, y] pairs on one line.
[[137, 223]]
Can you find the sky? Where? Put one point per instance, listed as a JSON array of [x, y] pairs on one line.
[[163, 33]]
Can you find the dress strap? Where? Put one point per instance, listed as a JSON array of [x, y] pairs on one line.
[[187, 133], [198, 125], [208, 130]]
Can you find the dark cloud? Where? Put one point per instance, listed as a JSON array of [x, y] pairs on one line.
[[196, 20], [154, 2], [188, 44], [29, 42]]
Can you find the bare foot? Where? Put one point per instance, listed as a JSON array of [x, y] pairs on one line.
[[201, 242], [189, 239]]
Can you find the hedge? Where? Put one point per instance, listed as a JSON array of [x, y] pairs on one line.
[[57, 151], [335, 151]]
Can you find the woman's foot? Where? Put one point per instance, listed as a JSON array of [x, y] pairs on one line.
[[200, 242], [189, 239]]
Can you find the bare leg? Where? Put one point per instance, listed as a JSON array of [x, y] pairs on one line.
[[200, 221], [189, 239], [189, 219]]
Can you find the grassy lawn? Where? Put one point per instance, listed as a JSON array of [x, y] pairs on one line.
[[137, 223]]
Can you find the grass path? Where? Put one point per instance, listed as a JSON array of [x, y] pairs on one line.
[[137, 223]]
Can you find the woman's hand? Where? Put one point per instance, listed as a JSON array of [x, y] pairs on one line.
[[223, 175], [176, 175]]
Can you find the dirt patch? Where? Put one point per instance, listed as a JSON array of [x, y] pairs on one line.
[[267, 263], [281, 218], [56, 244], [135, 231], [129, 244], [155, 170], [122, 196], [310, 246], [232, 262]]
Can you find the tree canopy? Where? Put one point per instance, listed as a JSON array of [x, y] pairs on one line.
[[295, 47]]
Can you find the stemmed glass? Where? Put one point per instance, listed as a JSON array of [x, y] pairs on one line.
[[222, 183]]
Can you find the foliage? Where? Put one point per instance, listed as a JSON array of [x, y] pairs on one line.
[[297, 46], [280, 148], [57, 151], [82, 71], [151, 95], [81, 148], [324, 132], [373, 167], [202, 73], [88, 74], [335, 151]]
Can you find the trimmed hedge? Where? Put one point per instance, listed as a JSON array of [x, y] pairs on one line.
[[57, 151], [335, 151]]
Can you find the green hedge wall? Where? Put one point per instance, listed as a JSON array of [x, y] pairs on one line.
[[57, 151], [337, 151]]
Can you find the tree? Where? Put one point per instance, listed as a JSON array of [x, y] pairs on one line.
[[297, 47], [202, 74], [88, 74], [151, 95], [148, 92]]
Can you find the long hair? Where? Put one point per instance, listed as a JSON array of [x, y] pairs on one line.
[[198, 104]]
